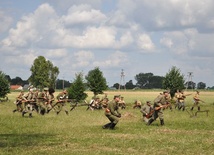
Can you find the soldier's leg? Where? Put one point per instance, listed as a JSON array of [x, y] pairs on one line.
[[58, 108], [154, 117], [30, 109], [114, 120], [160, 115]]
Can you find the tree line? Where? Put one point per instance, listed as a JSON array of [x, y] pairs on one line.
[[44, 74]]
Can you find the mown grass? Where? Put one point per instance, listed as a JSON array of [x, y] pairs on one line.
[[80, 132]]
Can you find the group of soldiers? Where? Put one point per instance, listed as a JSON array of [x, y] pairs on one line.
[[162, 101], [41, 102], [97, 103]]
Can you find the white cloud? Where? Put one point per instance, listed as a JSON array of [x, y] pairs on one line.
[[145, 43], [58, 29], [116, 59], [5, 21], [82, 59], [166, 42], [83, 14]]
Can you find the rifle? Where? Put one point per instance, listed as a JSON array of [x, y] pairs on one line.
[[150, 113], [202, 101], [187, 94], [199, 100], [74, 106], [163, 106]]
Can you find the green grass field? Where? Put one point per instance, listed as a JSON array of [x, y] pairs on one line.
[[81, 131]]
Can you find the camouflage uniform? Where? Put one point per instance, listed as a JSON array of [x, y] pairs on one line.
[[112, 113]]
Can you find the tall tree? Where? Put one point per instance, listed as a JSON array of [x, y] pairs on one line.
[[130, 85], [173, 80], [77, 89], [143, 79], [96, 81], [201, 85], [43, 73], [4, 85], [190, 85], [148, 80], [54, 72]]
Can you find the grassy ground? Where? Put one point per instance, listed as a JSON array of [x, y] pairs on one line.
[[80, 132]]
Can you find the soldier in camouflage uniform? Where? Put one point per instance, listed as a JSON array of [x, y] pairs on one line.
[[159, 104], [112, 113]]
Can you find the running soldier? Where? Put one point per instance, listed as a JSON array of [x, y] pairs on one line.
[[159, 103], [196, 100], [61, 102], [18, 102]]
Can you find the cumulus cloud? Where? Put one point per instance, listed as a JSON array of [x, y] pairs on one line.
[[114, 60], [78, 34], [83, 14], [82, 59], [5, 21], [145, 43]]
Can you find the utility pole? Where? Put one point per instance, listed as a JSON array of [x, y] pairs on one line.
[[189, 80], [122, 80]]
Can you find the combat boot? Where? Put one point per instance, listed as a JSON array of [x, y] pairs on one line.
[[66, 112], [23, 113], [111, 127], [30, 115], [199, 108], [162, 122], [150, 121], [106, 126], [191, 109]]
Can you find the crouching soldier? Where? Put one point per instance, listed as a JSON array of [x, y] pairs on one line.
[[147, 111], [112, 113]]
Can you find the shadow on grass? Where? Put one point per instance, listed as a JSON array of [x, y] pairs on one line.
[[19, 140]]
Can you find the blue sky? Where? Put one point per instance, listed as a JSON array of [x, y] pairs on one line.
[[139, 36]]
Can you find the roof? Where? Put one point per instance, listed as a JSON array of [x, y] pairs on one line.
[[16, 87]]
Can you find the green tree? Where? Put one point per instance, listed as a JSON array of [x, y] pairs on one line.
[[77, 89], [4, 85], [173, 80], [116, 85], [201, 85], [96, 82], [43, 73], [148, 80], [130, 85]]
